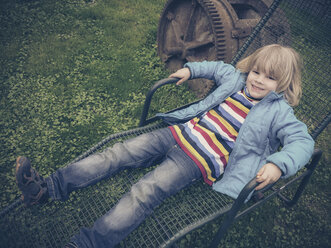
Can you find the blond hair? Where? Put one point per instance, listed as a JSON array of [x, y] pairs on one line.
[[283, 64]]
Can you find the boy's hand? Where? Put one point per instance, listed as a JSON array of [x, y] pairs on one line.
[[184, 74], [269, 173]]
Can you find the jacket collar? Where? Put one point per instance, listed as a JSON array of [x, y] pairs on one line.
[[272, 95]]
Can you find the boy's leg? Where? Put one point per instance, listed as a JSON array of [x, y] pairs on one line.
[[173, 174], [139, 151], [133, 153]]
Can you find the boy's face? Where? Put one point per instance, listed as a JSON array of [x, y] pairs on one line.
[[259, 84]]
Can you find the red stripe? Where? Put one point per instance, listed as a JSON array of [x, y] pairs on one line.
[[211, 143], [193, 122], [236, 109], [202, 169], [220, 124]]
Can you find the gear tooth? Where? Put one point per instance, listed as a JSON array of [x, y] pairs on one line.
[[219, 32], [218, 22], [215, 20], [221, 37], [218, 28]]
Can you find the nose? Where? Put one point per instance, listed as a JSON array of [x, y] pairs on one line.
[[259, 79]]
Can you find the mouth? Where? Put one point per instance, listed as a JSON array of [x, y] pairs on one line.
[[256, 88]]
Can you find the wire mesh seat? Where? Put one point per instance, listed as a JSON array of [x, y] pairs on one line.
[[53, 224]]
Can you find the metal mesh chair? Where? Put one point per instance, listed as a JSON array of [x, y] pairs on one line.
[[53, 224]]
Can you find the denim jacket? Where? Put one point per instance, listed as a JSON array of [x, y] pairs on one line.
[[269, 124]]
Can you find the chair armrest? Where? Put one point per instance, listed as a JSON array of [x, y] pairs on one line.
[[251, 185], [317, 154], [315, 158], [230, 216], [150, 94], [245, 192]]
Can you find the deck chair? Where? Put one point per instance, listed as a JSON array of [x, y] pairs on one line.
[[53, 224]]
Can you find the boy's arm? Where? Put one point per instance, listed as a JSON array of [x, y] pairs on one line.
[[218, 71], [297, 144]]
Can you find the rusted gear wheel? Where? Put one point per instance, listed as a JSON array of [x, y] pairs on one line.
[[197, 30], [192, 30]]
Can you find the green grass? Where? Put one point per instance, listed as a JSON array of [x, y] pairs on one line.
[[72, 72]]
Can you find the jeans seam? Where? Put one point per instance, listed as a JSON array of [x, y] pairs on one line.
[[50, 187], [101, 175], [129, 164]]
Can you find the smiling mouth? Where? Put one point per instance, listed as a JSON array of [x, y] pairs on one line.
[[257, 88]]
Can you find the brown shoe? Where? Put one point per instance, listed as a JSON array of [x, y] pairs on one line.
[[33, 186]]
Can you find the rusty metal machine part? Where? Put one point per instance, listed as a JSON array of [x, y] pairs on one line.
[[191, 31], [197, 30]]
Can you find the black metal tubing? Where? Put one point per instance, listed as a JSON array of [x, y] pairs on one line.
[[256, 31], [18, 201], [234, 213], [157, 85], [230, 216], [321, 126], [150, 94], [239, 54], [232, 210], [310, 169], [171, 241]]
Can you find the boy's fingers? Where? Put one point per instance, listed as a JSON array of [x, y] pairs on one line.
[[260, 172], [262, 185], [266, 175], [180, 82], [177, 76], [183, 74], [260, 179]]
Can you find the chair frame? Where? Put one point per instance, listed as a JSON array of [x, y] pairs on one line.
[[238, 208]]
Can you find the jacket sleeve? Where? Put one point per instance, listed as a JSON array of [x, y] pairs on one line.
[[297, 144], [218, 71]]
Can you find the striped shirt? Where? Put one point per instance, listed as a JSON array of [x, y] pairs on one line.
[[209, 140]]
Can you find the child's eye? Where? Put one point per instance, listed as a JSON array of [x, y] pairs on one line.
[[256, 72], [272, 78]]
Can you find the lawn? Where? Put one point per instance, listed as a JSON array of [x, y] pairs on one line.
[[74, 71]]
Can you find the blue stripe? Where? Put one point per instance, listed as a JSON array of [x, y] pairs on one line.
[[205, 154], [222, 139], [229, 118], [225, 143], [187, 133], [208, 125], [243, 100]]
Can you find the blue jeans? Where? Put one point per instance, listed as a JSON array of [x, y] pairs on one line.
[[175, 171]]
